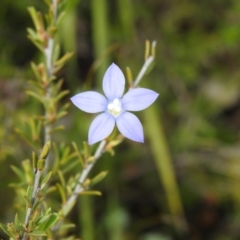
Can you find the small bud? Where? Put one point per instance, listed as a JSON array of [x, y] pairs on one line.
[[34, 161], [45, 150], [114, 143], [40, 164], [11, 229], [86, 150], [153, 49], [147, 49], [96, 193], [129, 77], [90, 159], [86, 183], [31, 225], [98, 178], [35, 215], [51, 31]]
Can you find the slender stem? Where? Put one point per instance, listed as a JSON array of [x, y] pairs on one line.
[[78, 189], [55, 2], [34, 194], [48, 52], [143, 70], [48, 57], [36, 185], [29, 210], [33, 198]]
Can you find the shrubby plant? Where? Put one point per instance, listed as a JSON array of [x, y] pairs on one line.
[[47, 174]]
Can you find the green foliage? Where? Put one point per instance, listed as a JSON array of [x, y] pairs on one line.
[[35, 179], [196, 120]]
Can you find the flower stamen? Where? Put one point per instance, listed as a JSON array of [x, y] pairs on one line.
[[115, 107]]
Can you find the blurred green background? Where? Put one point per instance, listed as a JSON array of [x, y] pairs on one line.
[[184, 181]]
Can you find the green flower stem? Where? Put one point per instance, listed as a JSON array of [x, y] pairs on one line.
[[55, 2], [48, 52], [36, 185], [34, 194], [48, 56], [100, 34], [78, 189], [160, 151], [145, 66], [144, 69], [33, 198], [67, 207]]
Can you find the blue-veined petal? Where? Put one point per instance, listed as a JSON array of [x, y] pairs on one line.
[[113, 82], [138, 99], [91, 102], [100, 128], [130, 126]]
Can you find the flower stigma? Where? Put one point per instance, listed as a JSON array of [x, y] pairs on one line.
[[115, 107]]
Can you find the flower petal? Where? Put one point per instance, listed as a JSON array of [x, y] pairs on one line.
[[101, 128], [138, 99], [113, 82], [91, 102], [130, 126]]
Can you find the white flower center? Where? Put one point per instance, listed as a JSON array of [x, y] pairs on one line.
[[115, 107]]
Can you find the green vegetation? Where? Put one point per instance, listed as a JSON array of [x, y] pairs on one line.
[[183, 182]]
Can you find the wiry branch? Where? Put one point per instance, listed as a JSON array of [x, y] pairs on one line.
[[48, 52]]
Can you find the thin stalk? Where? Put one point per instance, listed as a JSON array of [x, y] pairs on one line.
[[66, 208], [78, 189], [143, 70], [86, 218], [100, 34], [34, 194], [165, 169], [48, 58], [33, 198], [55, 2], [48, 52]]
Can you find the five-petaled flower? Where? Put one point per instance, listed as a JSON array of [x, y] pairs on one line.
[[115, 107]]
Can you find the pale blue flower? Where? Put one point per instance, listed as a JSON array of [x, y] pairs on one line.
[[115, 107]]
